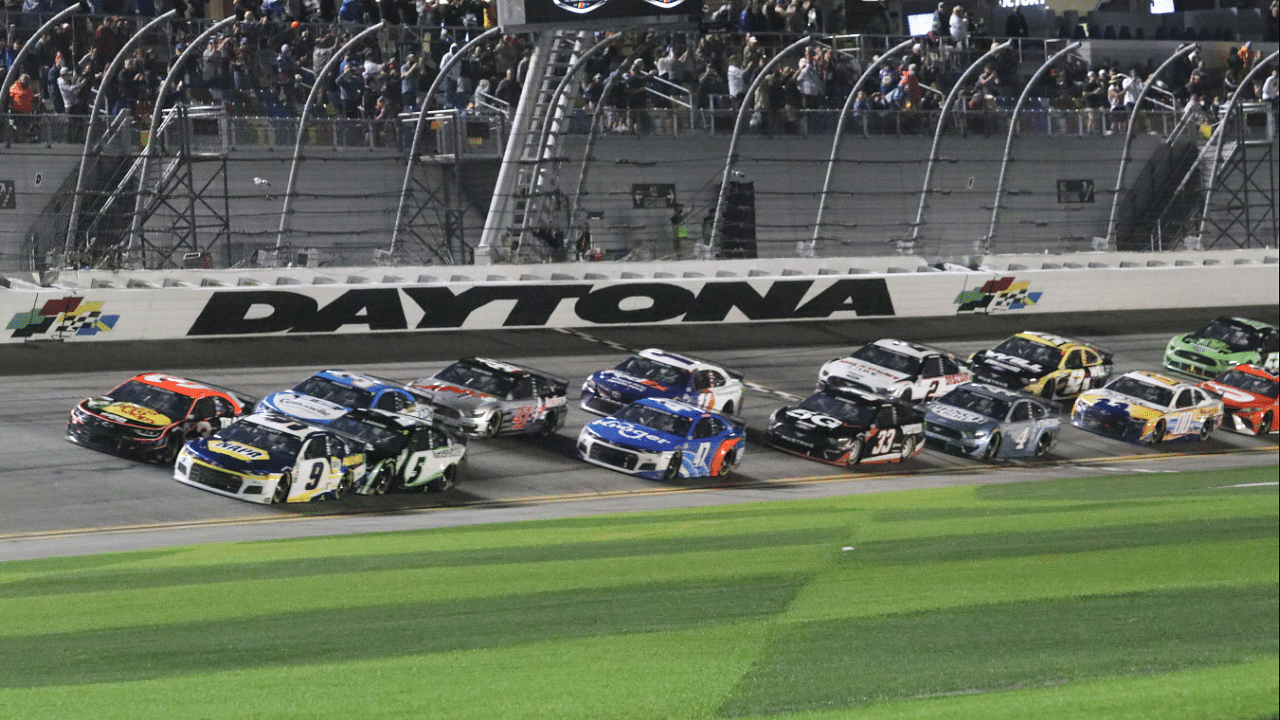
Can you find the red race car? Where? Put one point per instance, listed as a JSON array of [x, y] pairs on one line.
[[1249, 394], [152, 416]]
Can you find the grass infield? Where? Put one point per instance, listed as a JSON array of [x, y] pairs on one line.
[[1144, 596]]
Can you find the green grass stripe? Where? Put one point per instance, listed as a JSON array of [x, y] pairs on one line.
[[988, 648], [1139, 486]]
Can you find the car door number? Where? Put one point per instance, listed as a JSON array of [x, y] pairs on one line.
[[704, 451], [1181, 424], [522, 417], [316, 475], [884, 441], [1020, 440], [416, 466]]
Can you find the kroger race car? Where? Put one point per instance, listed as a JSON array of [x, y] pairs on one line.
[[402, 452], [1042, 364], [664, 439], [491, 397], [1222, 344], [902, 369], [330, 394], [1249, 394], [268, 458], [1146, 407], [988, 422], [151, 416], [656, 373], [844, 426]]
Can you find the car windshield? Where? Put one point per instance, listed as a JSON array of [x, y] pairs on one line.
[[1238, 337], [984, 405], [1046, 356], [1251, 383], [884, 357], [839, 408], [281, 445], [659, 420], [661, 373], [383, 439], [477, 377], [335, 392], [166, 402], [1133, 387]]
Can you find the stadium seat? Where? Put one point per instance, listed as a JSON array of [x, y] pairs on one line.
[[1109, 32], [1190, 34], [1162, 33], [1124, 33], [1140, 34], [1080, 33]]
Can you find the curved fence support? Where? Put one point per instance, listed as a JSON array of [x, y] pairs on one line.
[[22, 55], [454, 59], [1128, 138], [732, 158], [808, 250], [337, 57], [937, 133], [1008, 143], [77, 202], [193, 47]]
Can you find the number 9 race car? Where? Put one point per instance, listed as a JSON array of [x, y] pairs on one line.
[[1042, 364], [654, 373], [664, 439], [268, 458], [1145, 407], [987, 422], [403, 452], [153, 415], [844, 426], [491, 397], [1250, 396]]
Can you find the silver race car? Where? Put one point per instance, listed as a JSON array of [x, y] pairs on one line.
[[987, 422], [494, 398]]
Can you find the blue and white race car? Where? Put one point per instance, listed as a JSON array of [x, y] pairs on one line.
[[268, 458], [664, 439], [330, 394], [983, 421], [660, 374]]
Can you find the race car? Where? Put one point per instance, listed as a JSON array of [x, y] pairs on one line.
[[1042, 364], [657, 373], [983, 421], [1249, 394], [905, 370], [1146, 407], [845, 426], [663, 439], [330, 394], [492, 398], [269, 458], [151, 416], [1222, 344], [402, 452]]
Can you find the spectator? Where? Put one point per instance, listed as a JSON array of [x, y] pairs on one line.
[[1015, 26], [736, 85], [410, 77], [350, 90], [959, 27], [941, 23], [508, 90]]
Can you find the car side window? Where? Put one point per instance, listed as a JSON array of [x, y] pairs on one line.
[[422, 440], [540, 387], [1091, 358], [949, 366], [205, 409], [932, 367], [1184, 399], [703, 429], [1021, 411], [315, 448], [886, 417], [716, 379], [223, 408], [1073, 360], [1037, 412], [393, 401], [1197, 397], [524, 388]]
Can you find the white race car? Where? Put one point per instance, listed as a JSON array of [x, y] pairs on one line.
[[901, 369], [656, 373]]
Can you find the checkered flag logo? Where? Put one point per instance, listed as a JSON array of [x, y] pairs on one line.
[[997, 296]]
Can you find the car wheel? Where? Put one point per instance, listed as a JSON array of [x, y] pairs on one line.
[[495, 425], [908, 448], [1264, 427], [380, 483], [726, 464], [993, 448], [344, 486], [169, 455], [1206, 430], [445, 481], [673, 467], [905, 395], [728, 408], [552, 423], [1042, 445], [282, 488], [854, 454], [1157, 435]]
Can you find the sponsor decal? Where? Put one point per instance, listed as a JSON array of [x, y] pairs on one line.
[[136, 413], [241, 312], [951, 412], [445, 387], [996, 296], [630, 432], [63, 318], [308, 407], [238, 450]]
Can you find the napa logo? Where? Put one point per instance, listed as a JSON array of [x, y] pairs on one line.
[[238, 451]]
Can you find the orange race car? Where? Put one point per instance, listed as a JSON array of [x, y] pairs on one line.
[[1249, 394]]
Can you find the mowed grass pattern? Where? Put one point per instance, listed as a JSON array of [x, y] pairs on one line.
[[1119, 597]]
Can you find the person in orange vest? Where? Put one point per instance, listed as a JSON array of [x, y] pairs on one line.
[[22, 101]]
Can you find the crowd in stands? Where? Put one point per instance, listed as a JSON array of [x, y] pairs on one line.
[[267, 62]]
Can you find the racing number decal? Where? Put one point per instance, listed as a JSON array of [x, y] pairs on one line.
[[416, 466], [316, 475], [170, 380], [700, 458], [884, 441], [816, 418], [933, 388], [1020, 440], [523, 417], [1180, 425]]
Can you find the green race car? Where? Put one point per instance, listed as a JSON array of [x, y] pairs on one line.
[[1222, 344]]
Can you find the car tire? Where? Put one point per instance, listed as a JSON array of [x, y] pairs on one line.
[[905, 395], [1264, 427], [552, 423], [445, 481], [344, 486], [380, 483], [728, 408], [1206, 430], [672, 471], [169, 455], [494, 427], [1043, 443], [283, 486], [908, 448], [1157, 435], [993, 448], [854, 454], [727, 462]]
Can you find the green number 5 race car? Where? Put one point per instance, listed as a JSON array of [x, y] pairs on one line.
[[1223, 344]]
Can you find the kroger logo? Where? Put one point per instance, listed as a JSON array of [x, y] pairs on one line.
[[629, 431]]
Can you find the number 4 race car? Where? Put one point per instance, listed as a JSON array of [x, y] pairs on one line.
[[664, 439], [1250, 396], [1042, 364], [403, 452], [1145, 407], [844, 426], [656, 373], [268, 458], [153, 415], [987, 422], [904, 370], [497, 398]]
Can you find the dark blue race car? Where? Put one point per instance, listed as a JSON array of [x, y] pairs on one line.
[[330, 394], [656, 373]]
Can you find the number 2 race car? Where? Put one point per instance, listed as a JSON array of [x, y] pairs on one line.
[[656, 373], [403, 452], [498, 398], [987, 422], [1042, 364], [268, 458], [902, 369], [1250, 396], [1145, 407], [1222, 344], [151, 416], [664, 439], [844, 426]]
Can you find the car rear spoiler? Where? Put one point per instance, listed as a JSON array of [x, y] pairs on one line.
[[245, 399], [735, 374], [1106, 353]]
